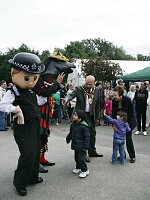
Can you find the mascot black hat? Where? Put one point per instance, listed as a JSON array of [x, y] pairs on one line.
[[27, 62]]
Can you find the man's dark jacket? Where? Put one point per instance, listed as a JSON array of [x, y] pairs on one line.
[[81, 101]]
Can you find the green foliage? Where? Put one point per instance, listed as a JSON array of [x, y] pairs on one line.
[[44, 55], [4, 65], [79, 50], [101, 68], [93, 48], [141, 57]]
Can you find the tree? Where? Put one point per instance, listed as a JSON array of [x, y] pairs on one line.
[[4, 64], [78, 50], [141, 57], [44, 55], [92, 48], [101, 68]]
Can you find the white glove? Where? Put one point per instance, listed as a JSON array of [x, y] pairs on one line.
[[19, 114]]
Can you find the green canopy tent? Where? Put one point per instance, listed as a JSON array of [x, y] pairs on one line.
[[141, 75]]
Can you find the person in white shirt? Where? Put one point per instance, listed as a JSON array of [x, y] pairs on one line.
[[131, 93], [3, 115]]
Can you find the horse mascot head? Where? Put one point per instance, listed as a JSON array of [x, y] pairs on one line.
[[55, 64]]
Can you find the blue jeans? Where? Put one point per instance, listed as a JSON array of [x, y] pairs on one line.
[[118, 145], [3, 118]]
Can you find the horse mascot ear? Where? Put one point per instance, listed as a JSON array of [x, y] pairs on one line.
[[56, 63]]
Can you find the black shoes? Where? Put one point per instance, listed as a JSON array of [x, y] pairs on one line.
[[132, 160], [48, 163], [42, 169], [87, 159], [40, 180], [96, 155], [21, 191]]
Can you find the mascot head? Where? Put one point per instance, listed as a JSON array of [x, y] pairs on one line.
[[26, 69], [55, 64]]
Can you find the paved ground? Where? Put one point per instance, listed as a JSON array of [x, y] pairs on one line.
[[105, 181]]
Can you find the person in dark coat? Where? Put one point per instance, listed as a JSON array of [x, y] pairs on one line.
[[88, 100], [99, 85], [80, 136], [140, 100], [123, 103]]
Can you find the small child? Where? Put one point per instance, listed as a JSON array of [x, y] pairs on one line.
[[80, 136], [122, 127], [108, 107]]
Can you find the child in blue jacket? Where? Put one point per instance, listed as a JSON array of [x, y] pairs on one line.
[[119, 138], [80, 136]]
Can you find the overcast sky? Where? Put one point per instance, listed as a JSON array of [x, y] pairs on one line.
[[46, 24]]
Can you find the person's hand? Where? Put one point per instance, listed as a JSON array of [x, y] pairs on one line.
[[64, 101], [96, 122], [85, 150], [60, 77], [114, 127], [19, 114]]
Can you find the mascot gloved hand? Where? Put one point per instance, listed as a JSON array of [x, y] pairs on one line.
[[19, 115]]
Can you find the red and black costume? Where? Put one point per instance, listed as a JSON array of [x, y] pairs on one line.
[[55, 64]]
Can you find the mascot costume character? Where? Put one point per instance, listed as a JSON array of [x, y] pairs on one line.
[[22, 100], [55, 64]]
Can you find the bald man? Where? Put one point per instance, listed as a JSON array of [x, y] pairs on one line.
[[88, 100]]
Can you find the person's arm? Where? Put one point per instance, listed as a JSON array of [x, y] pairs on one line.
[[144, 98], [46, 91], [7, 106], [70, 96], [69, 136], [111, 120], [131, 114], [6, 102], [128, 129]]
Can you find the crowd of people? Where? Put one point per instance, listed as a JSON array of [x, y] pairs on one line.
[[37, 103]]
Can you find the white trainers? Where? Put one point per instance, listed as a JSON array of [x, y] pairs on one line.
[[56, 124], [137, 133], [145, 133], [84, 174], [76, 171]]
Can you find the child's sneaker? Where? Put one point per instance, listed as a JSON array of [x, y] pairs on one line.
[[84, 174], [137, 133], [145, 133], [76, 171]]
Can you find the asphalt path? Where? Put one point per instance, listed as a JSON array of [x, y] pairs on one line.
[[105, 181]]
